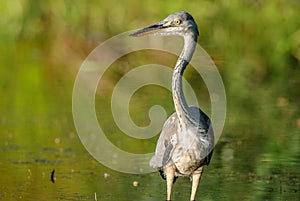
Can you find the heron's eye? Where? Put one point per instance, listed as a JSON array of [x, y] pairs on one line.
[[177, 21]]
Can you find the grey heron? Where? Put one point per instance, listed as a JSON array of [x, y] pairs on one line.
[[186, 141]]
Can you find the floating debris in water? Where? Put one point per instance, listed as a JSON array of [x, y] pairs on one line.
[[29, 173], [106, 175], [57, 140], [298, 122], [282, 102], [52, 178], [135, 183]]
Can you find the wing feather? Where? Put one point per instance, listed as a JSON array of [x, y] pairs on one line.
[[166, 142]]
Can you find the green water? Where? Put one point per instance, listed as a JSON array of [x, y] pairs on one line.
[[42, 48]]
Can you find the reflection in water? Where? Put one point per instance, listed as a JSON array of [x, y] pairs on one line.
[[79, 177]]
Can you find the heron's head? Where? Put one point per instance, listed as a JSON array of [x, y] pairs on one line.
[[180, 23]]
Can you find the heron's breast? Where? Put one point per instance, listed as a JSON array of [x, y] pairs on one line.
[[186, 161]]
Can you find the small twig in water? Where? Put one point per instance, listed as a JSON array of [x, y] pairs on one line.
[[52, 176]]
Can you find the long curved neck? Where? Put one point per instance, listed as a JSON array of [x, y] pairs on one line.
[[180, 103]]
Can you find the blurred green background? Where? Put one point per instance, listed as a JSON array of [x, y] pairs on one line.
[[255, 45]]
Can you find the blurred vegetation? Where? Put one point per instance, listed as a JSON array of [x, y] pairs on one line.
[[254, 43]]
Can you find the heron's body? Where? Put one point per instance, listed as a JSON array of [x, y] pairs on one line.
[[186, 142], [180, 148]]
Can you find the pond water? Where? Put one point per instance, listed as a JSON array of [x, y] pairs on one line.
[[25, 175], [35, 141]]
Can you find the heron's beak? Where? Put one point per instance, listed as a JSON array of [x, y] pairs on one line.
[[153, 29]]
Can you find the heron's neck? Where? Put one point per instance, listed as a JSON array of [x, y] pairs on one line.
[[180, 103]]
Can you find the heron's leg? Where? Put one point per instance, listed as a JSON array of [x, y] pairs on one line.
[[196, 178], [170, 174]]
